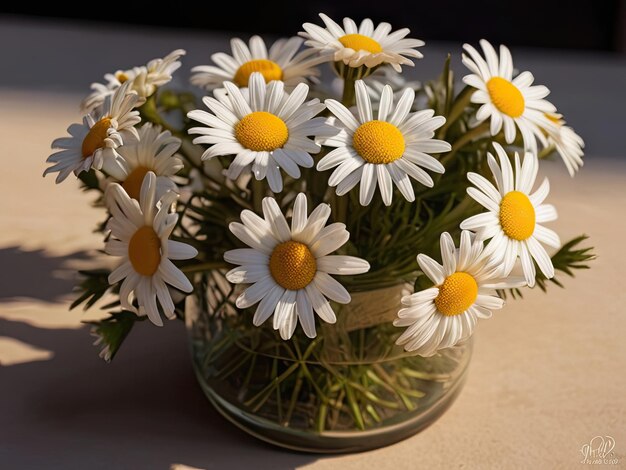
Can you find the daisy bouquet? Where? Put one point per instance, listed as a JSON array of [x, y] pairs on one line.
[[342, 238]]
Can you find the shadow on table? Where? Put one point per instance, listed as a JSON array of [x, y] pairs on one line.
[[143, 411], [35, 274]]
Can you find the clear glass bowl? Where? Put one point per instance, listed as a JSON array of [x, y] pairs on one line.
[[349, 389]]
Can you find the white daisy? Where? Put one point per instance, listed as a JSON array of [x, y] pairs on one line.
[[93, 143], [509, 102], [514, 217], [155, 152], [363, 45], [140, 235], [282, 62], [145, 80], [266, 130], [567, 143], [384, 150], [289, 269], [463, 292]]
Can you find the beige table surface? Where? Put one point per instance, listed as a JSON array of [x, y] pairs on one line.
[[548, 373]]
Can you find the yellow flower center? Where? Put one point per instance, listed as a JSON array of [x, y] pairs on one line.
[[132, 183], [95, 137], [292, 265], [262, 131], [144, 251], [378, 142], [358, 42], [269, 69], [506, 97], [121, 77], [457, 293], [517, 215]]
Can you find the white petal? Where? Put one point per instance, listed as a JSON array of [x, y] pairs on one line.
[[448, 254], [545, 213], [240, 105], [320, 304], [385, 184], [345, 265], [485, 219], [484, 200], [431, 268], [255, 292], [540, 195], [481, 312], [484, 185], [305, 313], [248, 273], [119, 273], [420, 297], [245, 256], [368, 184], [314, 224], [386, 103], [329, 239], [541, 257], [528, 267], [489, 301], [299, 216], [276, 219], [174, 276], [179, 250], [267, 305], [403, 107], [246, 236], [547, 236], [505, 167], [363, 103], [164, 297], [331, 288], [285, 306], [343, 114]]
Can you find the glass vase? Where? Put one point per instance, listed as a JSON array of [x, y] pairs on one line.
[[349, 389]]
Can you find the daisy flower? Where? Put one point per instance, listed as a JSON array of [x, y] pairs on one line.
[[382, 151], [362, 45], [265, 128], [139, 234], [463, 291], [154, 152], [514, 214], [144, 80], [567, 143], [510, 103], [282, 62], [289, 268], [93, 143]]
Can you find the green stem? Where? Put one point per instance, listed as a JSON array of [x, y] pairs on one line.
[[342, 209], [149, 112], [545, 152], [209, 266], [461, 102], [258, 193], [348, 97], [464, 140]]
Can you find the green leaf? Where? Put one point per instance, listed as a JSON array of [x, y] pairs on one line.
[[111, 332], [94, 285], [89, 180], [568, 258]]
